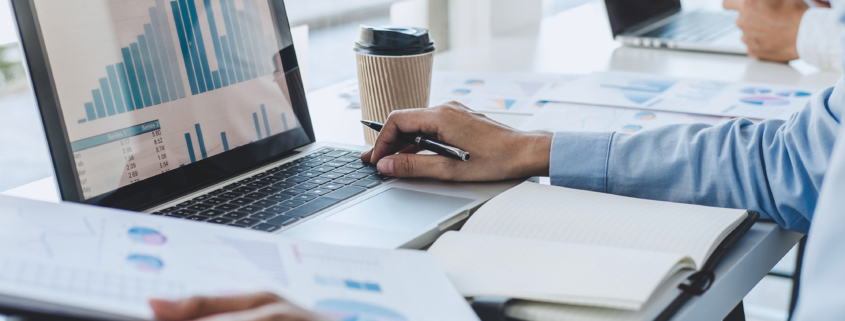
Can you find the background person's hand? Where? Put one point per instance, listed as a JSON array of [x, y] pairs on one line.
[[769, 27], [253, 307], [497, 152]]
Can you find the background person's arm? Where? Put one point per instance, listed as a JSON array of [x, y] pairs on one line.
[[775, 167], [769, 27]]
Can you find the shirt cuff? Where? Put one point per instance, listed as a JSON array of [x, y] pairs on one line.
[[819, 39], [579, 160]]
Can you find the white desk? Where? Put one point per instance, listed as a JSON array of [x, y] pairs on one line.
[[579, 41]]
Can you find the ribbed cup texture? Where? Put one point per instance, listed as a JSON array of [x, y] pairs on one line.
[[392, 83]]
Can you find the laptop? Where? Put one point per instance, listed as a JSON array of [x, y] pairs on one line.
[[195, 110], [663, 24]]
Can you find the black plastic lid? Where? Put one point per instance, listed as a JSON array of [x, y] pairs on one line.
[[393, 41]]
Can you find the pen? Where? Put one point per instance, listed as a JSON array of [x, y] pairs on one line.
[[425, 142]]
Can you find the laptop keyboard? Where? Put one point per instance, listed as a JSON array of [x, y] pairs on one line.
[[696, 26], [285, 194]]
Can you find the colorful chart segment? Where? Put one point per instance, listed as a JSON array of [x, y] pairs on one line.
[[145, 263], [146, 236], [357, 311]]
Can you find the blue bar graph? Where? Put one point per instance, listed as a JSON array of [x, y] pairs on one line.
[[284, 122], [148, 72], [81, 121], [257, 128], [190, 147], [132, 78], [142, 77], [266, 121], [98, 103], [115, 90], [148, 69], [124, 86], [89, 111], [225, 141], [201, 141], [106, 91]]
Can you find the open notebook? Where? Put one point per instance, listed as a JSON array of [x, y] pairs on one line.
[[593, 252]]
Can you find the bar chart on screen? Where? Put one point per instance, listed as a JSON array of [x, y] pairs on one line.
[[148, 86]]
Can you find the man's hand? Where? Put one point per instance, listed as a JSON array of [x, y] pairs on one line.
[[254, 307], [497, 151], [769, 27]]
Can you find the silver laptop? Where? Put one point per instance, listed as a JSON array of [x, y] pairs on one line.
[[195, 110], [663, 24]]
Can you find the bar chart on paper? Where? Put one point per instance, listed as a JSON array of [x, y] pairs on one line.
[[146, 86]]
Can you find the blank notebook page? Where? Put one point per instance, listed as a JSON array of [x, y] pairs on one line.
[[490, 265], [560, 214]]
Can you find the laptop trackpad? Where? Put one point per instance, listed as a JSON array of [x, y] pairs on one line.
[[401, 210]]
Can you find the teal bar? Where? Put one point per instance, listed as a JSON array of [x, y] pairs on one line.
[[82, 121], [167, 35], [227, 56], [157, 69], [284, 122], [190, 147], [186, 53], [225, 141], [98, 103], [132, 78], [115, 90], [215, 76], [89, 111], [215, 39], [251, 19], [114, 136], [248, 44], [201, 141], [148, 69], [266, 122], [200, 44], [162, 53], [241, 60], [106, 91], [142, 77], [236, 75], [257, 128], [192, 44], [124, 86]]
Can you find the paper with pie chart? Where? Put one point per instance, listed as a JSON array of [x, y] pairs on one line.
[[511, 93], [705, 97], [106, 264], [556, 117]]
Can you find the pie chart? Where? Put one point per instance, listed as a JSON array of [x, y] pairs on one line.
[[347, 310], [146, 236], [645, 115], [145, 263], [765, 101]]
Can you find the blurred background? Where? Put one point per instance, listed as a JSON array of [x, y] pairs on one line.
[[324, 31]]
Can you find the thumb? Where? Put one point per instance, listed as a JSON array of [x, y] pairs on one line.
[[732, 4], [415, 165]]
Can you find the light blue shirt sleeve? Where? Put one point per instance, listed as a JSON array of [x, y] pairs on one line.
[[774, 167]]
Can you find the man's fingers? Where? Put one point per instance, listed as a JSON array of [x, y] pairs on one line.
[[403, 121], [199, 306], [415, 165], [732, 4], [413, 149]]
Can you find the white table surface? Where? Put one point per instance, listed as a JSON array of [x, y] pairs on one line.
[[579, 41]]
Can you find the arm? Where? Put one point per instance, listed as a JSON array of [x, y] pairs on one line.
[[769, 27], [819, 39], [775, 167]]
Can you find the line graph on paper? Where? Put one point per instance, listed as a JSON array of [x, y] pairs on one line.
[[336, 260], [51, 236]]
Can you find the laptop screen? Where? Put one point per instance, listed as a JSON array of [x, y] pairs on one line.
[[625, 15], [157, 97]]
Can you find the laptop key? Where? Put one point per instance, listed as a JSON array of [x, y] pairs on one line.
[[265, 203], [242, 201], [347, 159], [334, 163], [312, 163], [331, 175], [227, 207], [320, 180], [156, 213], [278, 209], [378, 177], [312, 207], [246, 222], [297, 179], [170, 209], [266, 227], [310, 174], [220, 220], [231, 186], [202, 198], [257, 184], [367, 183], [298, 169], [230, 195], [344, 181], [304, 197], [291, 203], [318, 191], [336, 153], [236, 215], [344, 193], [175, 216], [283, 220], [356, 165], [255, 196], [244, 190], [250, 209], [279, 197], [307, 185], [293, 191], [331, 186], [356, 175], [344, 170], [212, 213], [198, 218], [284, 174], [217, 191], [215, 201], [186, 203], [183, 213], [284, 184], [263, 216], [368, 170], [271, 179], [199, 207]]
